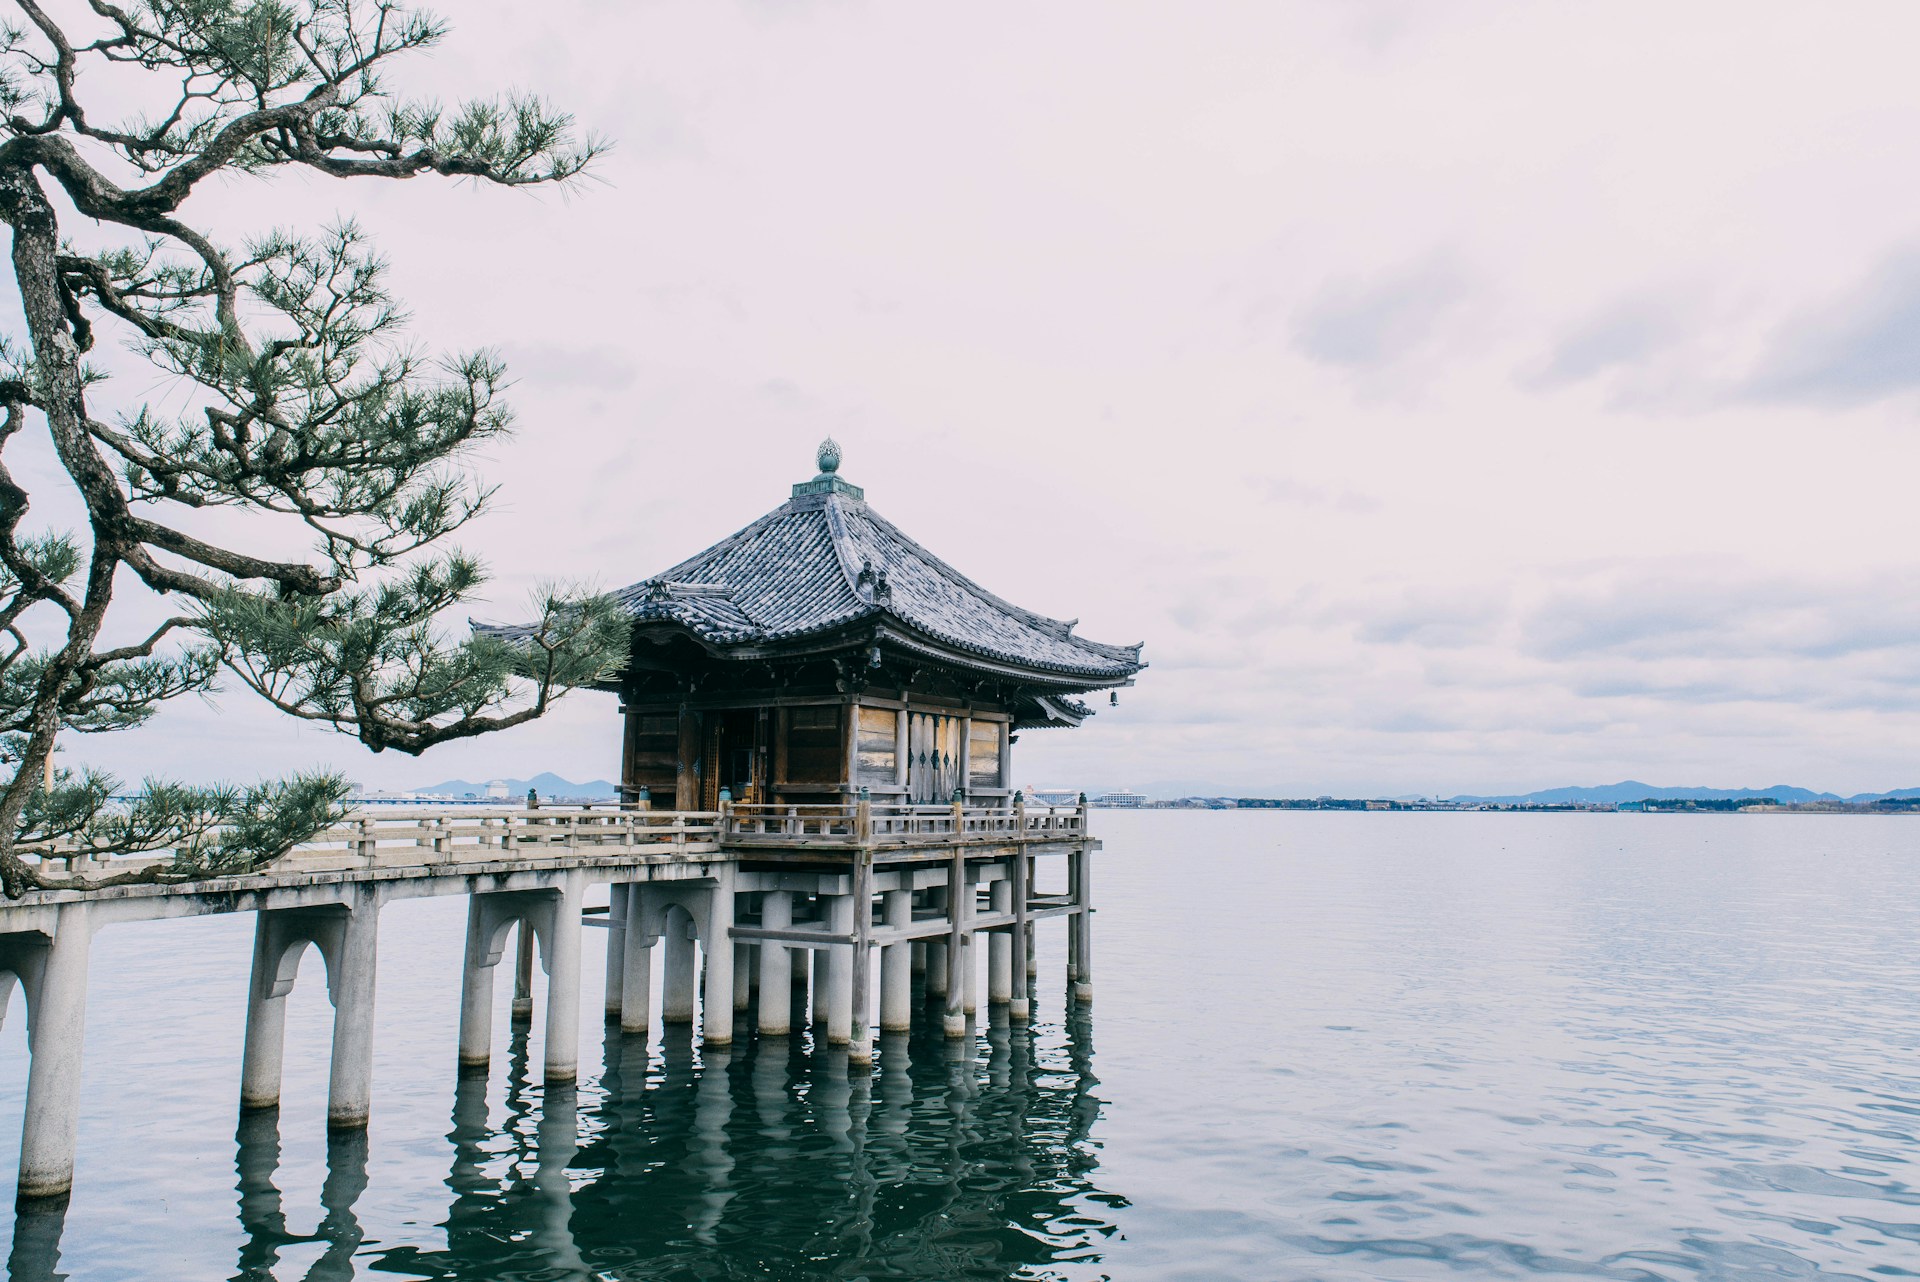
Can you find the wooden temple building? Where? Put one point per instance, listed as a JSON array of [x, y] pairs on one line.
[[820, 654]]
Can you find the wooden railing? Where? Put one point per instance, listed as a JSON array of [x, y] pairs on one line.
[[425, 837], [407, 838], [884, 824]]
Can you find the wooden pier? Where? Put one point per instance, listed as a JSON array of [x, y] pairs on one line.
[[745, 898]]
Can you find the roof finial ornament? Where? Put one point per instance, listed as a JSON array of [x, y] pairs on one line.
[[828, 482]]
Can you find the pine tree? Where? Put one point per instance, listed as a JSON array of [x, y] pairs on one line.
[[308, 408]]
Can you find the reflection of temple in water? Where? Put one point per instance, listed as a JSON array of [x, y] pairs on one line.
[[768, 1161]]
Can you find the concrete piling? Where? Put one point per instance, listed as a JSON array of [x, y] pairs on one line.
[[717, 1021], [476, 992], [56, 1029], [776, 972], [562, 964], [839, 971], [636, 980], [1000, 947], [616, 950], [352, 966], [676, 1005], [896, 974]]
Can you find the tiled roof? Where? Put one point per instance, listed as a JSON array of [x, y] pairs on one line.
[[826, 559]]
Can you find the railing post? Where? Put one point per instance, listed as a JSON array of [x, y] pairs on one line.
[[959, 814], [366, 844]]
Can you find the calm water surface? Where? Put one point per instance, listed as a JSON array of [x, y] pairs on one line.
[[1323, 1046]]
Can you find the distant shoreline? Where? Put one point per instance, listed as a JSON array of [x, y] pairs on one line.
[[1903, 806]]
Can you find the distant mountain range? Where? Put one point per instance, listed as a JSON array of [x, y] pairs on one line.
[[1615, 793], [547, 784]]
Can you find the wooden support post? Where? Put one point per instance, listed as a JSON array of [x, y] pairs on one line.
[[860, 1033], [1075, 922], [955, 1022], [1000, 942], [1083, 968], [1020, 1010], [523, 974]]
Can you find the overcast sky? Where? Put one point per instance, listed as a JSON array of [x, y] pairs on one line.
[[1466, 397]]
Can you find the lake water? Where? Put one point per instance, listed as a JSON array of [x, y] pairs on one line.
[[1323, 1045]]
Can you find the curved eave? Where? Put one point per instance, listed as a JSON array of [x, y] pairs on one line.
[[906, 637], [876, 624]]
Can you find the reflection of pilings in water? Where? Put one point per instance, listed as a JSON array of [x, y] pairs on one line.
[[832, 1094], [339, 1226], [888, 1156], [771, 1075], [708, 1161], [968, 1161], [263, 1219], [557, 1142], [35, 1254]]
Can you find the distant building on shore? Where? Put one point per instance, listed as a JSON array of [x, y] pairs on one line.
[[1120, 800]]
